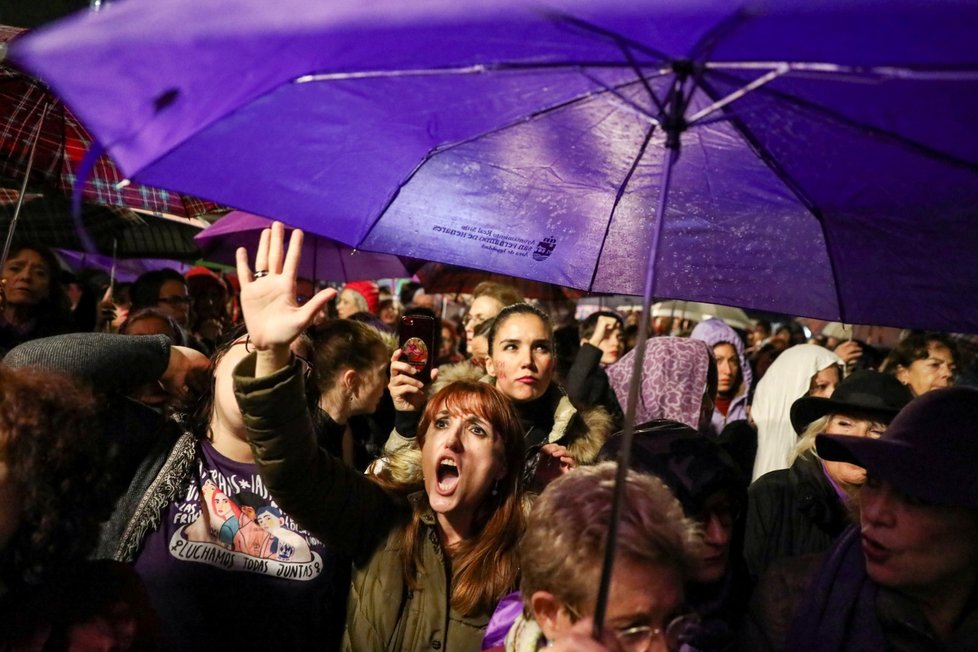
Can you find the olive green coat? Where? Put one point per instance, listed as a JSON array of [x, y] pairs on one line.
[[356, 516]]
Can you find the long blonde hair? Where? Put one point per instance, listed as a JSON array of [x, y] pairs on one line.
[[806, 442]]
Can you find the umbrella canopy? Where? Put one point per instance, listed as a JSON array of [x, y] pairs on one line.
[[322, 258], [696, 311], [126, 270], [828, 167], [47, 220], [31, 113], [453, 279]]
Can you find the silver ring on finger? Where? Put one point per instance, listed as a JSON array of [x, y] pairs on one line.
[[261, 273]]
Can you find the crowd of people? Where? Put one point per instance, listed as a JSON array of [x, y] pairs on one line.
[[195, 462]]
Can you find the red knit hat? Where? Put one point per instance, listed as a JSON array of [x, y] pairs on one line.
[[368, 290], [200, 270]]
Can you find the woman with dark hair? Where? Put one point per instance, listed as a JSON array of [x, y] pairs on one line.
[[163, 289], [520, 364], [52, 497], [50, 475], [923, 362], [36, 305], [600, 345], [434, 538]]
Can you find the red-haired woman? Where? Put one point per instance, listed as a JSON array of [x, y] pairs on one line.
[[434, 540]]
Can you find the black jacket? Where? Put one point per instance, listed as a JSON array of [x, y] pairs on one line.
[[791, 512], [587, 384]]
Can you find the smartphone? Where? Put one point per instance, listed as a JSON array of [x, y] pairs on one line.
[[417, 340]]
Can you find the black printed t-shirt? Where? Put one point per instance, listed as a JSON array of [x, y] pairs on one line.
[[227, 570]]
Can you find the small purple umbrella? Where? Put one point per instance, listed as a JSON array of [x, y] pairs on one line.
[[322, 258], [125, 270]]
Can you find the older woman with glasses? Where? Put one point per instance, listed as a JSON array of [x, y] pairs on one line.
[[561, 555], [712, 493]]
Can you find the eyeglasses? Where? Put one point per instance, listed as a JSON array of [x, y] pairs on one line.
[[478, 319], [174, 301], [640, 638]]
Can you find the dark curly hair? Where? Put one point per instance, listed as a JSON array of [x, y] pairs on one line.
[[49, 442]]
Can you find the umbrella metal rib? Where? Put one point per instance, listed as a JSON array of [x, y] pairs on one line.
[[478, 69], [23, 188]]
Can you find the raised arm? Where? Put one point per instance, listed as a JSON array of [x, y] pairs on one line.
[[335, 502], [111, 363]]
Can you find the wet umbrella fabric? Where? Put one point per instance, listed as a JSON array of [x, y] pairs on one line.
[[828, 168], [322, 258]]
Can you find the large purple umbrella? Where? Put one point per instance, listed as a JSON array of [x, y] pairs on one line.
[[322, 258], [828, 161]]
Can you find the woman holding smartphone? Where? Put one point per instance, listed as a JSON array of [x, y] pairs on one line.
[[521, 365]]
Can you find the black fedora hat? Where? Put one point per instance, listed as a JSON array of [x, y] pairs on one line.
[[863, 391], [928, 451]]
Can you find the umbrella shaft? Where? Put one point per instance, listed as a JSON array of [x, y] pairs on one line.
[[23, 188], [624, 454]]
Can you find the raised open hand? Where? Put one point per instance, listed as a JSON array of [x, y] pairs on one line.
[[268, 297]]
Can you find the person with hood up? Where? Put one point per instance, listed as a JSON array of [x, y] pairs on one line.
[[734, 377], [678, 381], [802, 370]]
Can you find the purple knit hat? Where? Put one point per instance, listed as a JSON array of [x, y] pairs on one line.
[[928, 452]]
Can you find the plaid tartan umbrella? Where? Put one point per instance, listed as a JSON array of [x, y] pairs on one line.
[[46, 220], [62, 144]]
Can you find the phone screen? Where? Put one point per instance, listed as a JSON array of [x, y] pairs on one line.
[[417, 343]]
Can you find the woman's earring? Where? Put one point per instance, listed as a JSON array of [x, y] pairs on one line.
[[495, 488]]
